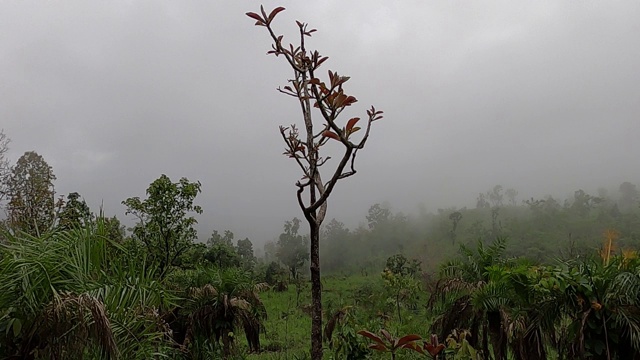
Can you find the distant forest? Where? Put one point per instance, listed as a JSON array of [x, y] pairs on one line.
[[542, 229]]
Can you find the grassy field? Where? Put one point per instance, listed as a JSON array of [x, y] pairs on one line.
[[365, 302]]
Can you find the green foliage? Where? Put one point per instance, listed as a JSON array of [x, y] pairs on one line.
[[30, 191], [216, 304], [337, 240], [400, 283], [341, 335], [629, 196], [292, 249], [399, 265], [164, 226], [378, 215], [580, 307], [458, 346], [245, 252], [61, 294], [74, 213], [273, 273]]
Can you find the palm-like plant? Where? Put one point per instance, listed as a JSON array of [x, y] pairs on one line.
[[475, 302], [60, 297], [603, 307], [44, 300], [217, 303], [588, 309]]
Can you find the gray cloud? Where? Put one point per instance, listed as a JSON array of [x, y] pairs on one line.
[[542, 96]]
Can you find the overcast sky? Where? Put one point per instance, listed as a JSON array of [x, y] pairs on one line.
[[542, 96]]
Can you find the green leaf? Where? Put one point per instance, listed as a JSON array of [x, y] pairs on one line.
[[17, 327]]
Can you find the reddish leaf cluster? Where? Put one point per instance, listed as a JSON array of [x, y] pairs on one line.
[[432, 348], [265, 20], [390, 344]]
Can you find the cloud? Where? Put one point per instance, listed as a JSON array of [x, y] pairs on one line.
[[540, 96]]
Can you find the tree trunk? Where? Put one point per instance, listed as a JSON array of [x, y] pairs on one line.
[[498, 336], [316, 293]]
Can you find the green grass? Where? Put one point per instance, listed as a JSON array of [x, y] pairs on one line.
[[288, 324]]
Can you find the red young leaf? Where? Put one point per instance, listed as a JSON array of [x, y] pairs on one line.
[[371, 336], [330, 134], [387, 335], [275, 12], [321, 61], [413, 346], [434, 350], [378, 347], [255, 16], [350, 100], [352, 122], [407, 339]]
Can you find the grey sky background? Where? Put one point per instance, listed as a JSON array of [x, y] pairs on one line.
[[542, 96]]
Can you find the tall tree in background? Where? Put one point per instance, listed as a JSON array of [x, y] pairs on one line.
[[455, 218], [495, 196], [292, 250], [378, 215], [330, 100], [511, 194], [629, 196], [31, 195], [481, 202], [164, 225], [220, 251], [5, 170], [75, 213], [245, 252], [338, 244]]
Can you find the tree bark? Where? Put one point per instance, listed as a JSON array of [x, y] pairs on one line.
[[316, 292]]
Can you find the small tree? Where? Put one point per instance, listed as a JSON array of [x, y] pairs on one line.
[[245, 252], [330, 100], [164, 226], [31, 195], [220, 250], [75, 213], [292, 250], [378, 215], [511, 194]]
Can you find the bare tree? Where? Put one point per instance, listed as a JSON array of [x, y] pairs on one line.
[[329, 100]]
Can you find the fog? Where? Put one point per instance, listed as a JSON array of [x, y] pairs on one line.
[[543, 97]]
